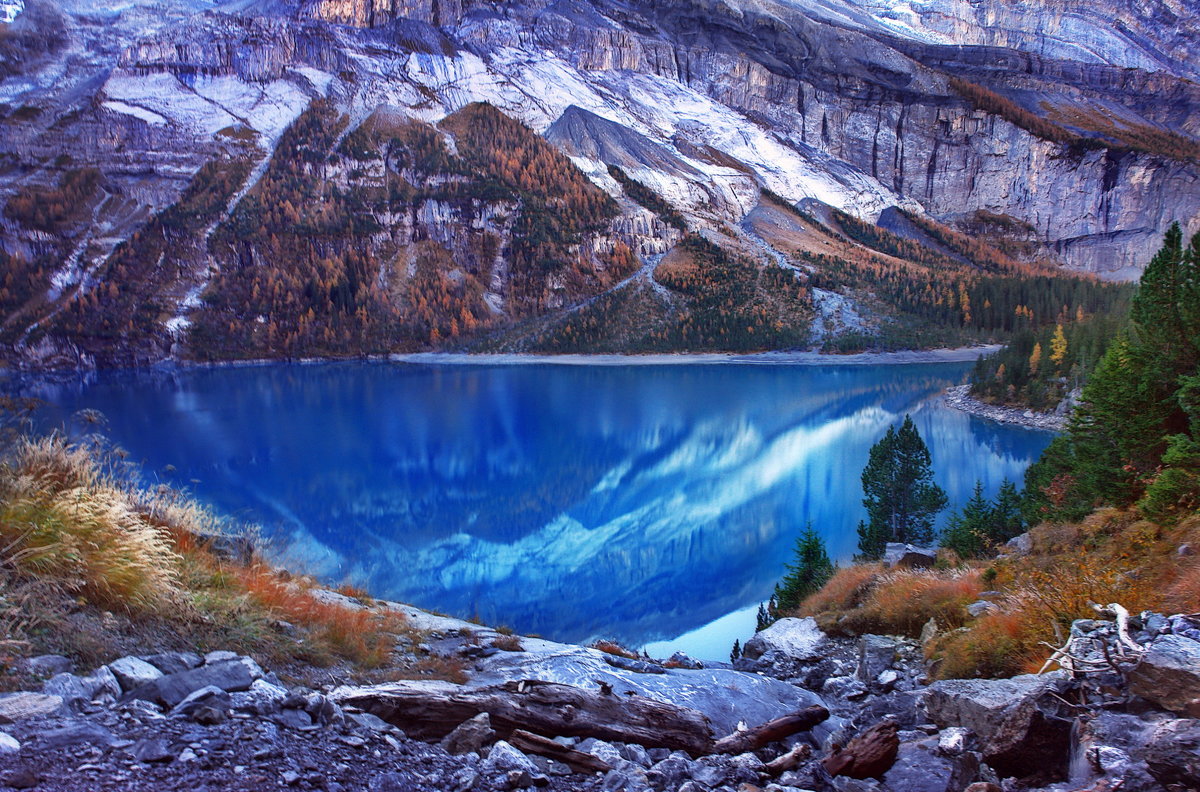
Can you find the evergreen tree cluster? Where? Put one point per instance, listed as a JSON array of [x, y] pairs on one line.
[[810, 569], [901, 497], [983, 524], [1136, 437], [1040, 366]]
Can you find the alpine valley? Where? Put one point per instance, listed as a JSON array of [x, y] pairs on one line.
[[321, 178]]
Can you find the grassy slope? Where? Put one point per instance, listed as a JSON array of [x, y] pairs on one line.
[[1112, 556]]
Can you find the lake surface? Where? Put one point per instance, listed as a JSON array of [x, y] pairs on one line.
[[655, 505]]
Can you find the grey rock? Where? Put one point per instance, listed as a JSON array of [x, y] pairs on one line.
[[76, 733], [8, 744], [977, 609], [19, 706], [220, 656], [1173, 753], [49, 665], [132, 673], [1020, 545], [72, 689], [1169, 675], [470, 735], [876, 654], [169, 690], [174, 662], [371, 722], [208, 706], [600, 749], [843, 687], [636, 754], [263, 698], [798, 639], [22, 778], [907, 556], [503, 759], [681, 660], [293, 718], [922, 767], [1016, 720], [152, 749], [672, 771], [954, 741]]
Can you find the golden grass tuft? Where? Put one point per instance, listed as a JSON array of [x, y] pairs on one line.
[[76, 538], [61, 517]]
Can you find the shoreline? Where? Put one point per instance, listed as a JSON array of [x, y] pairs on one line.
[[958, 397], [943, 355], [966, 354]]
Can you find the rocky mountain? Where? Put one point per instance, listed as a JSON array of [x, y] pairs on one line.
[[266, 178]]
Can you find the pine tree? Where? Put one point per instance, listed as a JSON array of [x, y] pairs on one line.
[[809, 570], [968, 531], [901, 497], [736, 652]]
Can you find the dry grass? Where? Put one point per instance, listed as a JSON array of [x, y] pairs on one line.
[[81, 545], [869, 599], [508, 643], [1111, 556], [614, 648], [63, 518]]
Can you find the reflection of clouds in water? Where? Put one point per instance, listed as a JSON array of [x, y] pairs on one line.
[[636, 502]]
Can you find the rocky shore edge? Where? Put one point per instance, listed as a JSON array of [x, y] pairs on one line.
[[959, 397], [1119, 714]]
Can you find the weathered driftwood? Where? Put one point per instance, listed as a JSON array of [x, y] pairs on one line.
[[578, 761], [431, 710], [869, 755], [772, 731], [790, 760]]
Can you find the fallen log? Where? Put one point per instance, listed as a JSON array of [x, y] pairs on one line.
[[789, 761], [772, 731], [578, 761], [430, 710]]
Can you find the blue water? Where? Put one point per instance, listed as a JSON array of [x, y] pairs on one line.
[[655, 505]]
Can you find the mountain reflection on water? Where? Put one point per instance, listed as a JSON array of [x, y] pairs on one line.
[[632, 502]]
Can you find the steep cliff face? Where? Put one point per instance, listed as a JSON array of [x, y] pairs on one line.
[[1075, 125]]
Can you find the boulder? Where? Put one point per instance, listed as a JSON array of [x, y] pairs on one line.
[[503, 759], [1020, 545], [169, 690], [977, 609], [681, 660], [132, 673], [798, 639], [208, 705], [1169, 675], [19, 706], [152, 749], [876, 654], [906, 556], [48, 665], [8, 744], [174, 662], [263, 698], [470, 735], [1173, 753], [923, 766], [1015, 720]]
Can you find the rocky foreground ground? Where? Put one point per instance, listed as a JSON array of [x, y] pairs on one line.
[[1122, 717]]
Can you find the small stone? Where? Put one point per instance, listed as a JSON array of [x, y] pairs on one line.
[[953, 741], [154, 749], [186, 755], [8, 743], [49, 665], [75, 734], [977, 609], [289, 777], [22, 778], [887, 679]]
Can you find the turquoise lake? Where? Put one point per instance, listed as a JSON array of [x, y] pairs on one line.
[[652, 504]]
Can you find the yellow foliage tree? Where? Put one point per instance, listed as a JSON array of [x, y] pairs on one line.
[[1058, 346]]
